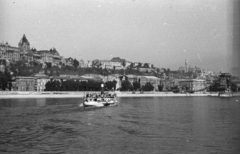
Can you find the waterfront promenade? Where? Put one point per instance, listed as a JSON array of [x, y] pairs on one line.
[[67, 94]]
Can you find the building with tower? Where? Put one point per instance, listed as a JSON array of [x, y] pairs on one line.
[[24, 45], [24, 52]]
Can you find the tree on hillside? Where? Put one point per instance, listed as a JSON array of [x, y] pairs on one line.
[[139, 65], [122, 71], [105, 72], [75, 63], [96, 64], [49, 65], [3, 61], [131, 66], [146, 65], [123, 63]]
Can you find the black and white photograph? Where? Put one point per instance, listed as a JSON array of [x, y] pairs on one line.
[[119, 76]]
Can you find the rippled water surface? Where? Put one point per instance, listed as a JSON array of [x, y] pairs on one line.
[[136, 125]]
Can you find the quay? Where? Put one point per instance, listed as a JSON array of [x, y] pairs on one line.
[[69, 94]]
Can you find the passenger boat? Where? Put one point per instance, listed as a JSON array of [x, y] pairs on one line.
[[99, 100]]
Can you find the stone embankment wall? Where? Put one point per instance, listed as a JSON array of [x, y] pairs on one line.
[[69, 94]]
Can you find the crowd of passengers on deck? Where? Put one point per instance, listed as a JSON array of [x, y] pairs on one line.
[[99, 97]]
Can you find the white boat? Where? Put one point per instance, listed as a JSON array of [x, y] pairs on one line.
[[99, 102]]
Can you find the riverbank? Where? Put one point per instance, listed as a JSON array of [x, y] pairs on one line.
[[21, 94]]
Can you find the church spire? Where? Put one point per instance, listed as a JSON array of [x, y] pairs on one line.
[[186, 66]]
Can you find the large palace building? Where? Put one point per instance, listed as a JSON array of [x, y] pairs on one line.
[[24, 52]]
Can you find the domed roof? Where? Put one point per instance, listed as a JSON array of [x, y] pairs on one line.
[[23, 41], [54, 52]]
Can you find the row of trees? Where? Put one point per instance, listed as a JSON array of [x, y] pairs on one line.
[[71, 85], [135, 86]]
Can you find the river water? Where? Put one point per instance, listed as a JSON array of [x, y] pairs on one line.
[[136, 125]]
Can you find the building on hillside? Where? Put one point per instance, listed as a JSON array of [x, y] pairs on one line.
[[127, 64], [69, 61], [28, 56], [23, 83], [89, 64], [136, 64], [191, 69], [41, 80], [81, 63], [117, 63], [192, 84], [8, 52], [65, 77], [93, 77], [181, 69], [96, 63], [46, 57], [146, 70], [176, 81], [49, 56], [23, 52], [12, 55], [105, 64], [63, 61], [113, 77], [167, 84], [133, 78], [198, 70], [150, 65], [55, 57], [155, 81], [69, 77], [37, 58], [110, 77], [6, 47]]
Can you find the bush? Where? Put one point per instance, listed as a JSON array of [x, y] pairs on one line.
[[148, 87]]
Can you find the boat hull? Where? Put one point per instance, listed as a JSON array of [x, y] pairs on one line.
[[98, 103]]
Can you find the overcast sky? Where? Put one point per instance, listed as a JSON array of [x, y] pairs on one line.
[[161, 32]]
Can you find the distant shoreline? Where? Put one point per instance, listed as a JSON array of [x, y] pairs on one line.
[[20, 94]]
